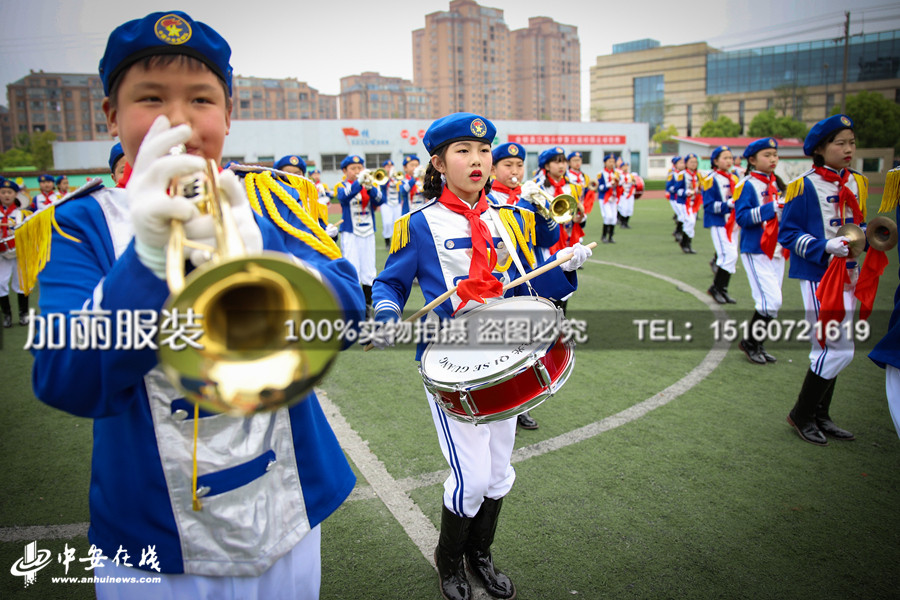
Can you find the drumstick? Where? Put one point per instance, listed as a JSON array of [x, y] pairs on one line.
[[519, 281]]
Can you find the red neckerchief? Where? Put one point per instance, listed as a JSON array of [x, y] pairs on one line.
[[609, 190], [364, 197], [512, 193], [126, 175], [845, 196], [481, 283], [770, 233], [729, 223], [5, 225], [557, 185], [578, 176], [46, 199], [693, 204]]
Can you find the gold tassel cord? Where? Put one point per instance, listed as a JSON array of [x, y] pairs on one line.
[[33, 243], [400, 238], [508, 218], [195, 500], [891, 195], [261, 186]]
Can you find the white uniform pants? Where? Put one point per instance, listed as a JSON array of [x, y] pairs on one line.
[[827, 362], [726, 252], [295, 576], [674, 205], [360, 252], [389, 214], [479, 458], [892, 389], [765, 276], [626, 205], [9, 271], [610, 211]]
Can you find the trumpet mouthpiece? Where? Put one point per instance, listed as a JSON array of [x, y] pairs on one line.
[[515, 180]]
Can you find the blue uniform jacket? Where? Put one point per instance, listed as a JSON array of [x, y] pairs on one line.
[[350, 197], [752, 210], [271, 477], [715, 200]]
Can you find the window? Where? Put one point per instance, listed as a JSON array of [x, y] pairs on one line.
[[245, 103], [101, 128], [649, 101], [332, 162], [871, 165], [374, 160]]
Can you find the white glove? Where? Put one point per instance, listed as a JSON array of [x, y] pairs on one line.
[[838, 246], [384, 334], [579, 255], [202, 230], [730, 203], [529, 189], [779, 207], [365, 178], [152, 209], [331, 230]]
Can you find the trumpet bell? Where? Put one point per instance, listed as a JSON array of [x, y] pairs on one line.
[[857, 238], [563, 208], [379, 177], [881, 232]]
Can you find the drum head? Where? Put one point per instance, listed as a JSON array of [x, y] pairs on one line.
[[491, 341]]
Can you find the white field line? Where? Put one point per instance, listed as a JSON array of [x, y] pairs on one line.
[[394, 493]]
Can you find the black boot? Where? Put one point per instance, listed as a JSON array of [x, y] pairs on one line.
[[23, 309], [824, 422], [448, 556], [762, 348], [6, 309], [625, 224], [678, 234], [803, 416], [605, 232], [723, 286], [478, 551], [612, 230], [751, 346], [712, 264], [367, 292], [686, 244], [526, 421], [715, 290], [387, 243]]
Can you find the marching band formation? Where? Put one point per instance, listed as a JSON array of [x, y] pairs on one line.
[[233, 501]]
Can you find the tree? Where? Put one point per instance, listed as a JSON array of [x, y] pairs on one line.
[[42, 149], [710, 110], [767, 124], [790, 97], [664, 135], [16, 158], [721, 127], [876, 120], [34, 150]]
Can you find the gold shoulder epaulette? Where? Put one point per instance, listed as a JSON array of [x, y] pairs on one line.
[[862, 185], [522, 239], [706, 181], [33, 242], [401, 233], [891, 195], [794, 189], [738, 189]]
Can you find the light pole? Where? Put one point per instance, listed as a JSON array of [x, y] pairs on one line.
[[826, 89]]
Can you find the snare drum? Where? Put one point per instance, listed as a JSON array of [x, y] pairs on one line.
[[514, 358]]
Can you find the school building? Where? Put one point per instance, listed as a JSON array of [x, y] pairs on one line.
[[678, 85], [325, 143]]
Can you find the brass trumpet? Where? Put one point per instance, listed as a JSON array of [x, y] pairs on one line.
[[561, 208], [881, 233], [243, 361], [376, 178]]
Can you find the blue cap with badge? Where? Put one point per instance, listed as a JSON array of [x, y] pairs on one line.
[[10, 184], [458, 127], [59, 179], [164, 33], [46, 177], [291, 160], [115, 153], [760, 144], [719, 150], [508, 150], [575, 154], [408, 159], [353, 159], [823, 129], [549, 154], [675, 159]]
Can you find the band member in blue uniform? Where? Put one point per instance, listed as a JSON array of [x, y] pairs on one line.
[[816, 204], [359, 197], [392, 208], [719, 218], [455, 238], [47, 194], [10, 216], [672, 181], [757, 212], [117, 163], [250, 527]]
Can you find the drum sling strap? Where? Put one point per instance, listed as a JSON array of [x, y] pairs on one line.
[[510, 245]]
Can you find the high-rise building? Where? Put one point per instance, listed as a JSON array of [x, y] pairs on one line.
[[690, 84], [266, 99], [6, 135], [68, 104], [372, 96], [546, 71], [469, 60]]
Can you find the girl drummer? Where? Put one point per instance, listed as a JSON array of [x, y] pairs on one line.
[[458, 237]]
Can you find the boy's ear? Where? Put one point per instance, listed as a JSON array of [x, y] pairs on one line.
[[112, 124]]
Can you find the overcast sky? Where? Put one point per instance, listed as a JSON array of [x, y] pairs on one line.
[[321, 41]]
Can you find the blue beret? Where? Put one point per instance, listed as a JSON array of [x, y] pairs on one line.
[[387, 162], [508, 150], [823, 129], [761, 144], [573, 155], [675, 160], [353, 159], [719, 150], [313, 170], [291, 160], [689, 156], [164, 33], [458, 127], [411, 157], [609, 156], [45, 177], [9, 183], [115, 153], [549, 154], [60, 178]]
